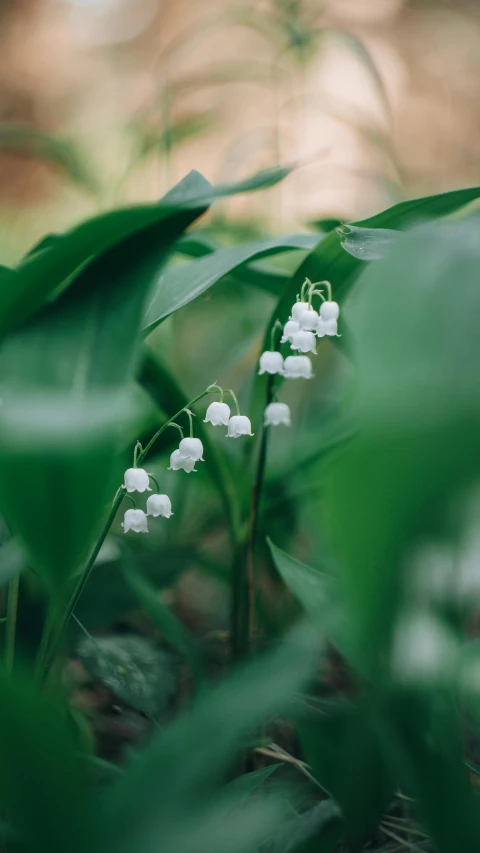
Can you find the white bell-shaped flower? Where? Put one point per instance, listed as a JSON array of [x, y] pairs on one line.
[[297, 367], [135, 520], [289, 329], [327, 327], [304, 341], [136, 480], [159, 505], [329, 310], [217, 414], [298, 309], [239, 425], [271, 362], [193, 448], [276, 414], [308, 320], [179, 462]]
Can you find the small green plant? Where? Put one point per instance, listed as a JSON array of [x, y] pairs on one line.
[[382, 759]]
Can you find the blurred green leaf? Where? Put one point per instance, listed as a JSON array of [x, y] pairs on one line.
[[165, 620], [177, 131], [317, 830], [168, 791], [415, 344], [180, 284], [64, 153], [245, 785], [357, 47], [43, 794], [341, 747]]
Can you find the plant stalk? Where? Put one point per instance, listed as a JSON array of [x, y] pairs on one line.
[[11, 624]]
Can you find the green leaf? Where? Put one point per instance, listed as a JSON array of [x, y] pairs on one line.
[[62, 411], [169, 788], [133, 668], [244, 786], [415, 399], [42, 786], [63, 153], [178, 285], [319, 595], [342, 750], [42, 273], [165, 620], [367, 244]]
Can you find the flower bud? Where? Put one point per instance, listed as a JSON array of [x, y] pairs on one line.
[[308, 320], [136, 480], [298, 309], [193, 448], [177, 462], [304, 341], [329, 310], [276, 414], [239, 425], [217, 414], [297, 367], [291, 326], [271, 362], [159, 505], [136, 520], [327, 327]]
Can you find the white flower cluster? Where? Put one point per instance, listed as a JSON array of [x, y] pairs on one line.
[[189, 451], [302, 328], [138, 480]]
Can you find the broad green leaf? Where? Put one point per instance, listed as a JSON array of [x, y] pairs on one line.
[[43, 792], [423, 739], [317, 830], [66, 377], [415, 344], [165, 620], [179, 773], [42, 273], [342, 749], [180, 284]]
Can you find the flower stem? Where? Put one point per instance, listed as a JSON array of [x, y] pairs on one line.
[[190, 418], [234, 398], [177, 426], [47, 654], [11, 625], [306, 284], [138, 447], [216, 387], [273, 334], [126, 495], [154, 480], [252, 579]]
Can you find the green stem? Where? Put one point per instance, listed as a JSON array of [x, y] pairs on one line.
[[156, 484], [273, 334], [177, 426], [11, 626], [169, 423], [252, 579], [234, 398], [45, 661], [306, 284], [190, 419], [216, 387], [138, 447], [126, 495]]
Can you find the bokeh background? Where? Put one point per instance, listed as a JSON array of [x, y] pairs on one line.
[[108, 101]]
